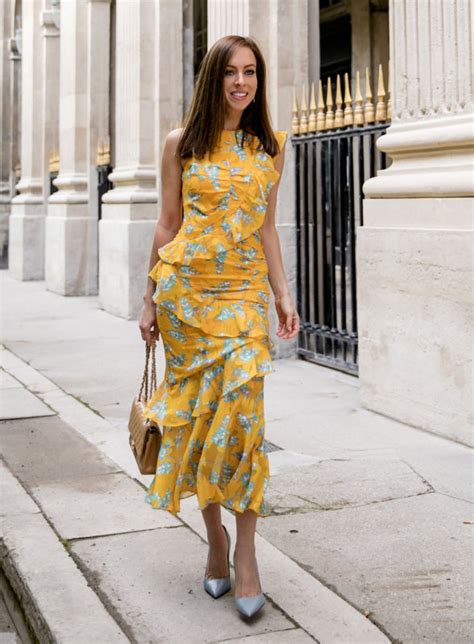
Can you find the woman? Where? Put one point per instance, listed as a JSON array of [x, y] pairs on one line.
[[208, 296]]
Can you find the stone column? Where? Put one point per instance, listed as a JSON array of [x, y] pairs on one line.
[[14, 137], [26, 233], [71, 231], [415, 249], [169, 79], [6, 107], [98, 99], [227, 18], [129, 209], [314, 45], [50, 128]]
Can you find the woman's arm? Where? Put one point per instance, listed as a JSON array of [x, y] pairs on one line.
[[167, 225], [169, 220], [287, 314]]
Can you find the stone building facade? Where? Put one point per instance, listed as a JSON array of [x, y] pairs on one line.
[[91, 88]]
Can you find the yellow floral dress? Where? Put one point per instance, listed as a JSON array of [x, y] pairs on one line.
[[212, 295]]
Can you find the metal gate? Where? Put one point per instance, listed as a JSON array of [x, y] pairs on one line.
[[331, 167]]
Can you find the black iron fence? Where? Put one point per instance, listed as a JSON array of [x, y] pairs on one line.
[[52, 187], [103, 184], [331, 167]]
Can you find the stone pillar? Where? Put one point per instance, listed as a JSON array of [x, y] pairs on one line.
[[314, 45], [50, 129], [98, 99], [129, 210], [169, 79], [6, 107], [71, 232], [26, 233], [227, 18], [415, 249], [13, 127], [281, 29]]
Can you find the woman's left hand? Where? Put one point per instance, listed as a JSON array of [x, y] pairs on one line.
[[288, 318]]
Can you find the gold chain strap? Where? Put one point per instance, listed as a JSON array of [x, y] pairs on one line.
[[149, 384]]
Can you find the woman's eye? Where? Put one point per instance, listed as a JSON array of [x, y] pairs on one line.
[[249, 71]]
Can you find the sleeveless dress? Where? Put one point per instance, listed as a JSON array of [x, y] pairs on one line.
[[212, 295]]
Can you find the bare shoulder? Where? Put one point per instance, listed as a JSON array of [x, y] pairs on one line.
[[173, 137]]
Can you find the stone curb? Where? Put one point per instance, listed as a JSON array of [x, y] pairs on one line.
[[57, 601]]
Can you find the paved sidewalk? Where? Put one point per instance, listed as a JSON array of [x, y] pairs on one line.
[[370, 538]]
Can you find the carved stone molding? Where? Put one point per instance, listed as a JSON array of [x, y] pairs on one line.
[[50, 21]]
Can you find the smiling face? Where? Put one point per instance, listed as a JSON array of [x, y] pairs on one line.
[[240, 80]]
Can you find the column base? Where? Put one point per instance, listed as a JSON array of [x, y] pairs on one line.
[[26, 241], [71, 250], [125, 244], [416, 327]]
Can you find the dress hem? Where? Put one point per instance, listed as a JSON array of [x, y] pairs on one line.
[[175, 512]]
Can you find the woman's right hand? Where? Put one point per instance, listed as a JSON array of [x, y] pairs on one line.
[[148, 325]]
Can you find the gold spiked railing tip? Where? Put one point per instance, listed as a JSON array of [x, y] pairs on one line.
[[359, 110], [324, 113], [295, 124], [103, 153], [312, 111], [304, 112], [369, 106], [100, 153], [389, 94], [106, 152], [348, 114], [320, 117], [339, 115], [381, 108], [329, 122], [53, 165]]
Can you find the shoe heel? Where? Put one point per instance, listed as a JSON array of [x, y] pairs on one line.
[[221, 585]]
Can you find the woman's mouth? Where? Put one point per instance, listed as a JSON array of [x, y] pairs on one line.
[[239, 96]]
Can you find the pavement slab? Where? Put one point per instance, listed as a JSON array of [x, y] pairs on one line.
[[18, 402], [152, 581], [339, 483], [293, 636], [98, 505], [420, 589], [64, 453]]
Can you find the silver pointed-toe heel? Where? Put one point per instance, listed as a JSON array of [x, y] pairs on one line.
[[219, 586], [249, 606]]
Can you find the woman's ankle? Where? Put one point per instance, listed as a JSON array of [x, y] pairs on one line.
[[216, 538], [244, 549]]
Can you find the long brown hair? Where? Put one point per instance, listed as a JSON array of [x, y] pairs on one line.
[[204, 119]]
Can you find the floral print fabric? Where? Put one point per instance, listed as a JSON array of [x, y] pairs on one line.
[[212, 295]]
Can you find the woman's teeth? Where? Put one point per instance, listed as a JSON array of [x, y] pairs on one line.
[[239, 95]]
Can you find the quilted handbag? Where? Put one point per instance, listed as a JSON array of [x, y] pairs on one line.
[[144, 434]]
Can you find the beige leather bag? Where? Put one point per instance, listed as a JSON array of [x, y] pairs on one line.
[[144, 434]]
